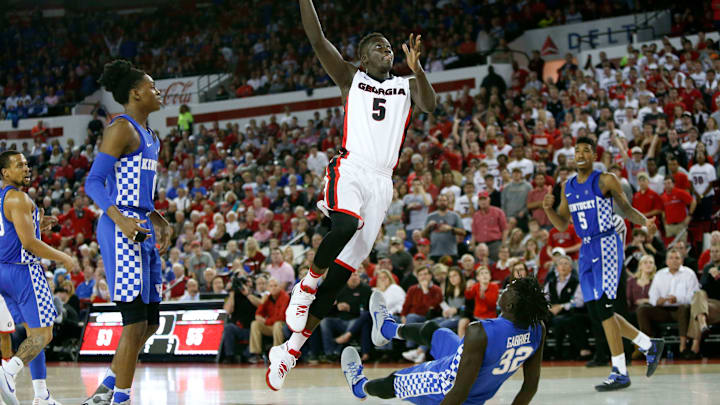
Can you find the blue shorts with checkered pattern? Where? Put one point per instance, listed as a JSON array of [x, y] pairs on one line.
[[131, 268], [427, 383], [27, 294], [599, 267]]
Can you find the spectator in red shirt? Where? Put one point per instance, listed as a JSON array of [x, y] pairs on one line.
[[678, 208], [79, 161], [535, 198], [489, 225], [567, 240], [484, 293], [81, 218], [177, 286], [40, 132], [679, 178], [705, 256], [646, 200], [269, 318], [421, 298], [501, 268]]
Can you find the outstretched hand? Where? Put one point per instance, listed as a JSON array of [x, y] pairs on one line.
[[46, 222], [412, 53]]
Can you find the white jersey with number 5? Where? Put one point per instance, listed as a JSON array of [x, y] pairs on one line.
[[377, 115]]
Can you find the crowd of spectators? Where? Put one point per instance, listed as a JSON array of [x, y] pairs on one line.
[[51, 63], [466, 215]]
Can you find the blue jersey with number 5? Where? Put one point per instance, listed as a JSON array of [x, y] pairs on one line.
[[592, 213]]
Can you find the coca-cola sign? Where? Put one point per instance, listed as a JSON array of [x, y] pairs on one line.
[[177, 92]]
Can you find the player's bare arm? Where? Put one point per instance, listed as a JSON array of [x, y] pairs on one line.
[[421, 91], [19, 210], [340, 71], [470, 364], [560, 218], [531, 374], [610, 184], [118, 139]]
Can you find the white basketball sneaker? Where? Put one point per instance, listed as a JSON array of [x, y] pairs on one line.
[[296, 314], [353, 371], [7, 388], [281, 362], [378, 313], [46, 401], [102, 396]]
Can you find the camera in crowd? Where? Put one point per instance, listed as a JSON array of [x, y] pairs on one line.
[[242, 283]]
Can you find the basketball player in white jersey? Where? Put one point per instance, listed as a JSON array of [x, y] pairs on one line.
[[358, 183]]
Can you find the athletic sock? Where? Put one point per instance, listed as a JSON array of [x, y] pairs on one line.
[[109, 380], [311, 280], [643, 342], [297, 340], [389, 329], [38, 371], [359, 388], [14, 366], [121, 395], [619, 363], [40, 388]]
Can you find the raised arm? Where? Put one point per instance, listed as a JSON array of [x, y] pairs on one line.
[[560, 218], [470, 364], [340, 71], [421, 91], [531, 375], [610, 184]]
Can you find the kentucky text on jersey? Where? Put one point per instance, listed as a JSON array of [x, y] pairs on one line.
[[581, 206], [149, 164], [381, 91], [518, 340]]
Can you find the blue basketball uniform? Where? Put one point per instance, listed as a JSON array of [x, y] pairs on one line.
[[132, 268], [22, 277], [508, 347], [601, 253]]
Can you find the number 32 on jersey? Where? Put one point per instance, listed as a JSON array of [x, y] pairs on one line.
[[512, 359]]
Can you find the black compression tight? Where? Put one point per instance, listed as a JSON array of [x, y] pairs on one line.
[[343, 228]]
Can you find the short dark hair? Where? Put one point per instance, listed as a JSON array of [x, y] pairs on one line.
[[586, 140], [119, 77], [365, 41], [5, 159]]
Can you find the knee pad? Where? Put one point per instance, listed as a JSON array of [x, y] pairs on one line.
[[601, 309], [335, 280], [428, 330]]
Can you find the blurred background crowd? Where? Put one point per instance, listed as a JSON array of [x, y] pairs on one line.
[[241, 200]]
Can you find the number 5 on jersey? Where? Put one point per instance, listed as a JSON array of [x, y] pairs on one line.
[[583, 221], [378, 109]]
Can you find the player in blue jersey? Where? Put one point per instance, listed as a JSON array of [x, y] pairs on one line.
[[588, 199], [122, 183], [22, 278], [465, 371]]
